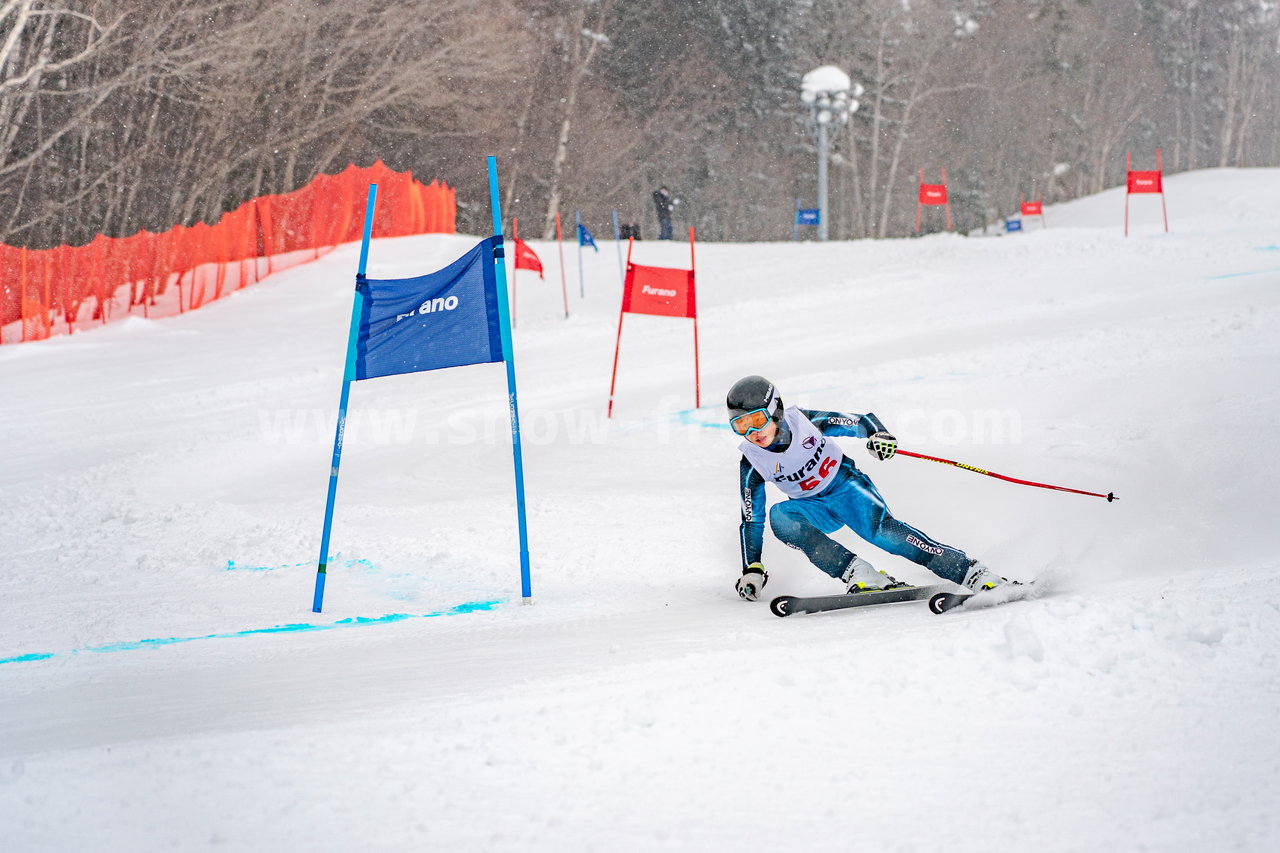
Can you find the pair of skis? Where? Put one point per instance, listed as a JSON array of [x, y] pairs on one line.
[[940, 600]]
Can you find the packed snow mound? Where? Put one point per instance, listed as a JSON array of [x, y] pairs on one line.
[[1216, 200]]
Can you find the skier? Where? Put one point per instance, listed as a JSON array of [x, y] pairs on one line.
[[791, 447]]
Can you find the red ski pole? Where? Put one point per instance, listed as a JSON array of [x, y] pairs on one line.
[[1110, 496]]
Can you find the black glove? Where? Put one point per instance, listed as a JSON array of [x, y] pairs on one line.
[[882, 445], [753, 579]]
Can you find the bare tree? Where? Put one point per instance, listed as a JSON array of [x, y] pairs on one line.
[[583, 35], [149, 114]]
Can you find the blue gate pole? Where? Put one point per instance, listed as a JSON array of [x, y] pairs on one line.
[[617, 242], [577, 218], [348, 376], [508, 356]]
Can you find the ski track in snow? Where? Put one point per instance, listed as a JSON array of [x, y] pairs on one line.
[[164, 488]]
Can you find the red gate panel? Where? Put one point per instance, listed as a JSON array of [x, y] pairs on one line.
[[663, 291]]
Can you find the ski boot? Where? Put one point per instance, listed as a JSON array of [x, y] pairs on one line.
[[979, 578], [861, 576]]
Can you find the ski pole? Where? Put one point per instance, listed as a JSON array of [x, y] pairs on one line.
[[1110, 496]]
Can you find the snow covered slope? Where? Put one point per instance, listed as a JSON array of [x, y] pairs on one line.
[[165, 685]]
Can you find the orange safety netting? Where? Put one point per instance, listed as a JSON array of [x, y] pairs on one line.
[[187, 267]]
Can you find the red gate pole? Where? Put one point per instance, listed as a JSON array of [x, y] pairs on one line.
[[944, 184], [563, 287], [613, 382], [1128, 167], [1163, 208], [693, 297], [920, 183]]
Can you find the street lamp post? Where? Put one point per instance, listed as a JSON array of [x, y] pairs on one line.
[[831, 98]]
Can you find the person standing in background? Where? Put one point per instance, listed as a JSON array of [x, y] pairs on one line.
[[663, 201]]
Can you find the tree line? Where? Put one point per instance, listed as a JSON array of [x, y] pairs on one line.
[[123, 115]]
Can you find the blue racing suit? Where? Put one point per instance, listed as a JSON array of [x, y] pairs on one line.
[[851, 500]]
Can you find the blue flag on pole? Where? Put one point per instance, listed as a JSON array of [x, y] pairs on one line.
[[443, 319], [585, 238]]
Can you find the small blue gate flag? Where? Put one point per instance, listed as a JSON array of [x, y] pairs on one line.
[[442, 319], [809, 216], [585, 238]]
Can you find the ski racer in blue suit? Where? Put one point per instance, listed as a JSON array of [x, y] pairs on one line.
[[792, 448]]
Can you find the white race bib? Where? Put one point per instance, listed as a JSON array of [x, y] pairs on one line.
[[806, 467]]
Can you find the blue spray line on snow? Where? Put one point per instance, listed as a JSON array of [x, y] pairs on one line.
[[294, 628], [1243, 274], [690, 417], [366, 564]]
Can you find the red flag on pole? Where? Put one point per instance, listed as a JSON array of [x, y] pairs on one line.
[[1033, 208], [659, 290], [931, 195], [1141, 183], [527, 259]]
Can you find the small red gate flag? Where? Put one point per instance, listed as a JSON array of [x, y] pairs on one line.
[[933, 193], [527, 259], [1145, 182]]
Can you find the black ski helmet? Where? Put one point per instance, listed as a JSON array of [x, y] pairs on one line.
[[754, 392]]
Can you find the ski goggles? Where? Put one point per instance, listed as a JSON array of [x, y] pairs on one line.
[[750, 422]]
